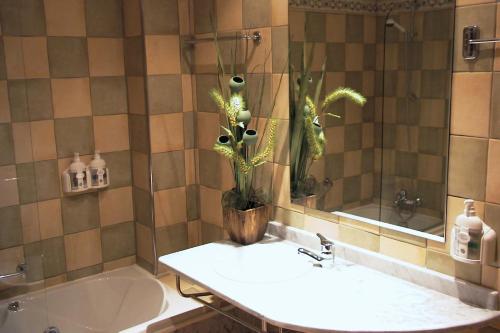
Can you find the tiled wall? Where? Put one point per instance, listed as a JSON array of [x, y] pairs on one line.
[[347, 42], [63, 90]]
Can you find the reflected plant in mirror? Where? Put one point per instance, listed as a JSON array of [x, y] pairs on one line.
[[385, 163]]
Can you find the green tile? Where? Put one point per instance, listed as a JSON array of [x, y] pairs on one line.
[[54, 258], [279, 36], [168, 170], [84, 272], [145, 264], [354, 32], [256, 13], [33, 257], [143, 207], [39, 99], [209, 168], [369, 56], [432, 195], [193, 202], [211, 233], [189, 130], [74, 135], [172, 238], [495, 108], [26, 183], [334, 166], [68, 57], [7, 144], [354, 80], [352, 137], [3, 69], [80, 213], [109, 95], [438, 24], [352, 189], [160, 17], [164, 94], [47, 180], [204, 83], [259, 87], [118, 241], [139, 133], [367, 160], [406, 164], [11, 232], [104, 18], [134, 56], [22, 18], [315, 27], [436, 83], [204, 13], [120, 168], [389, 136], [18, 100], [432, 140], [335, 57]]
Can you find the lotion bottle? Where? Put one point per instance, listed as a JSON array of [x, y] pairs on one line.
[[468, 233], [78, 174], [98, 171]]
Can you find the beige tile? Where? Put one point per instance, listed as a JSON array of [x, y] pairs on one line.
[[472, 2], [440, 262], [318, 56], [22, 142], [55, 280], [374, 229], [368, 135], [49, 215], [205, 57], [8, 186], [194, 233], [281, 186], [335, 28], [229, 15], [14, 58], [186, 25], [167, 132], [259, 60], [111, 133], [170, 206], [83, 249], [132, 17], [71, 97], [370, 29], [190, 157], [430, 168], [136, 96], [403, 251], [432, 112], [116, 206], [326, 228], [290, 217], [354, 57], [352, 163], [210, 205], [118, 263], [493, 175], [279, 12], [489, 276], [163, 55], [144, 239], [140, 169], [468, 272], [36, 61], [30, 224], [359, 238], [280, 90], [187, 93], [43, 140], [463, 120], [65, 17], [4, 103], [106, 57], [437, 55], [10, 258], [208, 129], [296, 23]]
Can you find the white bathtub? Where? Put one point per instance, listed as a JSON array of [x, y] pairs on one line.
[[126, 300]]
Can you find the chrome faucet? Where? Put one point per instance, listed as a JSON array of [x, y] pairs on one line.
[[404, 206], [20, 271], [327, 250]]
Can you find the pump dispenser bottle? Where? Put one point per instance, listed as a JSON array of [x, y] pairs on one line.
[[76, 176], [98, 172], [467, 233]]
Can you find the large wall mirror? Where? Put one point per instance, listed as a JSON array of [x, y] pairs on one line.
[[378, 150]]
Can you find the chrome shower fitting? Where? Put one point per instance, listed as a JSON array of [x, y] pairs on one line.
[[391, 23], [406, 207]]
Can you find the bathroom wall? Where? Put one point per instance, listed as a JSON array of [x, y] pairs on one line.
[[63, 90]]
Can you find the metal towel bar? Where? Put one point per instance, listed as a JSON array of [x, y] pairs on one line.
[[256, 37], [20, 271], [471, 42]]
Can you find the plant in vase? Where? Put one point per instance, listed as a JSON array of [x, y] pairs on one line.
[[307, 143]]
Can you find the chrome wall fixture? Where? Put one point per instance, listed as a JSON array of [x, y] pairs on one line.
[[255, 36], [21, 270], [471, 34]]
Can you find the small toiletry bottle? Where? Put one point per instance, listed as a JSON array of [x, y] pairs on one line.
[[78, 174], [98, 171], [468, 233]]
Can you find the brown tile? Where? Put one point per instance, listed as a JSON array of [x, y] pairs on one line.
[[14, 57], [111, 133], [74, 135], [134, 56], [11, 231], [208, 129], [104, 18], [170, 207], [430, 168], [279, 12], [467, 167], [211, 233], [50, 219], [36, 63], [116, 206], [161, 17], [194, 233], [139, 133], [352, 163], [168, 170], [10, 258], [119, 263], [65, 17], [106, 56], [109, 95], [464, 122], [47, 180], [229, 15], [493, 175], [335, 28], [258, 54], [80, 213], [4, 103], [190, 156], [281, 187], [495, 108], [140, 169], [21, 135], [83, 249], [43, 140], [26, 182], [470, 15], [164, 94], [163, 55], [166, 132], [172, 238], [187, 93], [25, 18], [118, 241], [132, 17], [280, 49], [209, 163], [71, 97], [256, 13], [436, 55], [210, 205], [39, 98], [296, 24], [186, 25], [30, 224], [84, 272], [7, 152], [119, 166], [433, 112], [144, 240], [67, 57], [8, 186], [135, 95], [203, 10]]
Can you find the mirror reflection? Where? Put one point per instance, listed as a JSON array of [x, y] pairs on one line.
[[370, 89]]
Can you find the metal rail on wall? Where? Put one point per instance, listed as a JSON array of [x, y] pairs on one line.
[[255, 36]]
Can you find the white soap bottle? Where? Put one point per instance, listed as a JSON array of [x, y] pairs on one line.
[[468, 233], [98, 171], [78, 174]]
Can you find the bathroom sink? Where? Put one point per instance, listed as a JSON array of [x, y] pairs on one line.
[[258, 264]]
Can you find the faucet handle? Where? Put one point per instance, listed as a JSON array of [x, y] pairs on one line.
[[324, 240]]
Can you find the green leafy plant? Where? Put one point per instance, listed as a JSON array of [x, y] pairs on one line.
[[241, 141], [307, 142]]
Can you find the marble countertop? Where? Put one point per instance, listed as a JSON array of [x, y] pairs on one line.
[[271, 281]]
